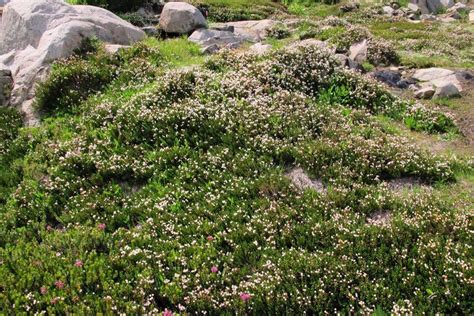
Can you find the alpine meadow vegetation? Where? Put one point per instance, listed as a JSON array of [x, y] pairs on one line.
[[155, 188]]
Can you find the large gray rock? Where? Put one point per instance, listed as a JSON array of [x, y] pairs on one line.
[[181, 18], [438, 77], [254, 31], [35, 33], [214, 38]]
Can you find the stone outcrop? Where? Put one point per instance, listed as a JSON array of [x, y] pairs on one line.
[[253, 31], [260, 49], [358, 51], [181, 18], [437, 82], [35, 33], [213, 40]]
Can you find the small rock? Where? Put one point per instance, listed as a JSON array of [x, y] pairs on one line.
[[260, 49], [436, 5], [471, 16], [206, 38], [427, 17], [358, 51], [429, 74], [414, 8], [349, 7], [151, 31], [211, 49], [425, 93], [449, 19], [387, 76], [449, 90], [388, 10], [405, 83], [113, 48], [181, 18], [343, 59], [395, 5], [352, 64], [233, 45], [302, 181], [458, 7]]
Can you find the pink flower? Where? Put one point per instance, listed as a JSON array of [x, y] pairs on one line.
[[101, 226], [59, 284], [214, 269], [245, 296], [49, 228], [210, 238], [54, 300], [167, 312], [78, 263], [43, 290]]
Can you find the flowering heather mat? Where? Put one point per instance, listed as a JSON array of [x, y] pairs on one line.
[[165, 192]]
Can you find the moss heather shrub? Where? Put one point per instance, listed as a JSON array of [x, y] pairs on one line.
[[172, 197], [90, 71]]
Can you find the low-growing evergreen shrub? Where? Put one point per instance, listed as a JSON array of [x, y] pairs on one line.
[[170, 194]]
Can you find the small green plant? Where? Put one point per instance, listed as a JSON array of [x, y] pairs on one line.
[[279, 31], [368, 67]]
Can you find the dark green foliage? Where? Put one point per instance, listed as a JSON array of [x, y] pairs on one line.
[[279, 31], [10, 175]]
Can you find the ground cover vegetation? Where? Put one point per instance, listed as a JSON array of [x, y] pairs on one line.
[[157, 182]]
